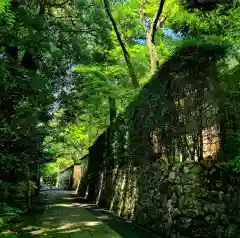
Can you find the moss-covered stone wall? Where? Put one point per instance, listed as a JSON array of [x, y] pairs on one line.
[[152, 164], [183, 199]]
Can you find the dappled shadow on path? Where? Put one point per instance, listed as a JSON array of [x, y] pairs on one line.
[[124, 228], [56, 217], [61, 214]]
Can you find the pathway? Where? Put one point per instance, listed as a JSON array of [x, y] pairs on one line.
[[59, 215]]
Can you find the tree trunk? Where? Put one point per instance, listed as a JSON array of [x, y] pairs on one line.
[[152, 53], [151, 30], [131, 71], [156, 19]]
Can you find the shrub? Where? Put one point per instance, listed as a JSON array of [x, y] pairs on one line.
[[7, 214]]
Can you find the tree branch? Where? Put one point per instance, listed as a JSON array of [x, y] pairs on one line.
[[125, 52], [162, 21], [142, 15], [156, 19]]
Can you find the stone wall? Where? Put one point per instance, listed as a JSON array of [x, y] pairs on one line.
[[66, 178], [139, 167], [77, 169], [82, 184], [185, 199]]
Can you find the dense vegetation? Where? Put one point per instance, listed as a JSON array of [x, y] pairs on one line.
[[69, 67]]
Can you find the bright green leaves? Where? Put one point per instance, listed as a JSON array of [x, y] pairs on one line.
[[3, 5], [127, 18], [85, 38]]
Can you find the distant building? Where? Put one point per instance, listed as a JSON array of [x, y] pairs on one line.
[[70, 177]]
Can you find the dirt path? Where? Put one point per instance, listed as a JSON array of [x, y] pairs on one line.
[[59, 215]]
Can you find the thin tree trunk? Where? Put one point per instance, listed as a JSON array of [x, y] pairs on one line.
[[131, 71], [151, 30], [152, 52], [152, 46], [156, 19]]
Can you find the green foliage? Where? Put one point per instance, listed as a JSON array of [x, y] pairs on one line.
[[40, 42], [3, 5], [235, 164], [7, 214], [232, 231], [50, 172], [10, 192], [83, 113]]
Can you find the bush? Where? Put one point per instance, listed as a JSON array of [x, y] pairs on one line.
[[7, 214]]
